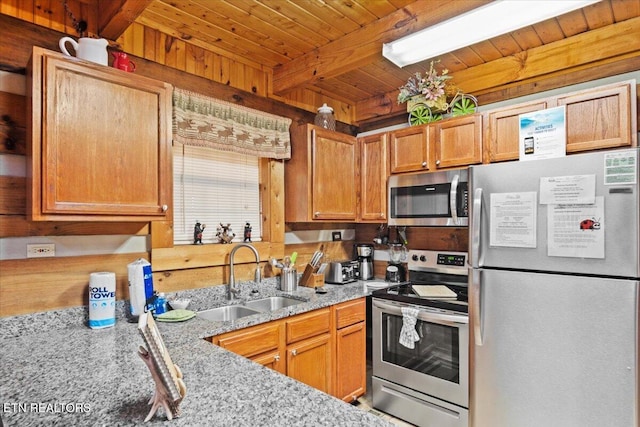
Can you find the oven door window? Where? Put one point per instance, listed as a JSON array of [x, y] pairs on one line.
[[436, 354]]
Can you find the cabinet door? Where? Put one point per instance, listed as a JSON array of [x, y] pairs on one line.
[[351, 364], [599, 118], [408, 148], [334, 175], [100, 145], [374, 170], [309, 361], [272, 360], [503, 130], [458, 141]]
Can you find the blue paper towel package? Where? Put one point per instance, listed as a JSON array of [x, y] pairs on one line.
[[140, 287]]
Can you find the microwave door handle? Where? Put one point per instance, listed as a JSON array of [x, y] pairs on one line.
[[475, 228], [453, 196], [445, 319]]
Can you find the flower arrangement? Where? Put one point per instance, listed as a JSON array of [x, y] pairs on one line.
[[432, 87]]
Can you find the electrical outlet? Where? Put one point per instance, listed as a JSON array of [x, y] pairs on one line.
[[41, 250], [336, 235]]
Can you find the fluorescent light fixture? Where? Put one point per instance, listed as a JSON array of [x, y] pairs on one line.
[[491, 20]]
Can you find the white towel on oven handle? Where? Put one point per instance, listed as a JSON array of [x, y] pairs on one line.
[[408, 333]]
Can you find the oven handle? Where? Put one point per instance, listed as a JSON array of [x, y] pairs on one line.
[[453, 195], [447, 319]]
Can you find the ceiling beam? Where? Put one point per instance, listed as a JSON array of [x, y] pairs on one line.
[[115, 16], [365, 44], [566, 56]]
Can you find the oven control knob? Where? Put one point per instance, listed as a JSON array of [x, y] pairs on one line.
[[423, 258], [414, 257]]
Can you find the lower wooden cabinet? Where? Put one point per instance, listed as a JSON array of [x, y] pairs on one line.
[[351, 370], [272, 359], [323, 348], [309, 361], [260, 343], [350, 381]]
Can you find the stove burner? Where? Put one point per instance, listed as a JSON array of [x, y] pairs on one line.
[[404, 292]]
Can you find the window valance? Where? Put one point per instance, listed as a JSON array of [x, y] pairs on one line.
[[203, 121]]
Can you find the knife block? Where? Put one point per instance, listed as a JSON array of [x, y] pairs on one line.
[[310, 278]]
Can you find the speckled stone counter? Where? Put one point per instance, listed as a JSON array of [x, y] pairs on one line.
[[56, 371]]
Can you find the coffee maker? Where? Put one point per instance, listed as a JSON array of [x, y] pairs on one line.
[[364, 253]]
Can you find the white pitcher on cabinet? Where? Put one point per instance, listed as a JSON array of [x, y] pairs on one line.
[[94, 50]]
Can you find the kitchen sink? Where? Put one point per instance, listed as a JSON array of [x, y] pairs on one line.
[[227, 313], [272, 303]]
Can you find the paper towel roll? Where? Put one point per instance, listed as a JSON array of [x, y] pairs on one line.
[[102, 299]]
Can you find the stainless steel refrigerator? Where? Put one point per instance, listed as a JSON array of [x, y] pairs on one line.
[[554, 292]]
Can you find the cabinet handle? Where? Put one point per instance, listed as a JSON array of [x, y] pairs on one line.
[[294, 352], [276, 357], [316, 214], [437, 162], [354, 398], [165, 208], [424, 164]]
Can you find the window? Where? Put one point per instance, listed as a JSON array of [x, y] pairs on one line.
[[211, 187]]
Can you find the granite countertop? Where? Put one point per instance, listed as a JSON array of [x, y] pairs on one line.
[[57, 371]]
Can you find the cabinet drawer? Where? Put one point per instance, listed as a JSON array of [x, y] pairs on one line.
[[350, 312], [308, 325], [251, 341]]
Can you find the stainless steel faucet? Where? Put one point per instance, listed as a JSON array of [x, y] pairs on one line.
[[233, 292]]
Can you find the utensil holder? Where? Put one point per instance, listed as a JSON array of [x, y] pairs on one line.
[[289, 280]]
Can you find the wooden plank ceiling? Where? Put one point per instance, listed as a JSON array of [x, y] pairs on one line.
[[334, 47]]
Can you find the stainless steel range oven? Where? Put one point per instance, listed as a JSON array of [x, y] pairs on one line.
[[427, 385]]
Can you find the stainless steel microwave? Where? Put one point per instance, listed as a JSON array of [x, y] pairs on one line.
[[429, 199]]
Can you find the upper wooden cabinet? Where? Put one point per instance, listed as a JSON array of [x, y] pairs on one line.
[[374, 170], [321, 178], [99, 142], [601, 117], [502, 133], [408, 149], [597, 118], [457, 141], [452, 142]]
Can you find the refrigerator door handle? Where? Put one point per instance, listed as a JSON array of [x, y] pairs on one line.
[[475, 228], [476, 319], [453, 195]]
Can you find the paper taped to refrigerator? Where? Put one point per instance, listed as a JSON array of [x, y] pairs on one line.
[[575, 189], [620, 167], [513, 219], [576, 231]]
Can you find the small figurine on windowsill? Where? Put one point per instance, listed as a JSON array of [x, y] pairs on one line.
[[197, 233], [224, 233], [247, 232]]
